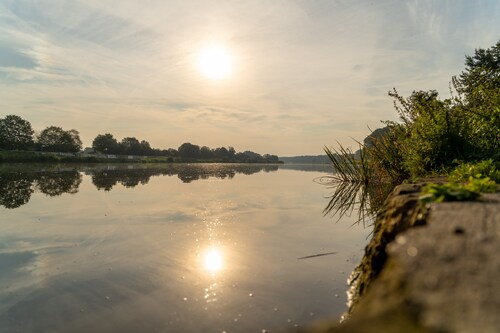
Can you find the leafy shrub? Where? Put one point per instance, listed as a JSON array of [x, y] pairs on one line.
[[458, 192], [433, 134], [483, 169]]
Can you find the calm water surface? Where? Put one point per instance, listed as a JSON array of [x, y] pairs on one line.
[[185, 248]]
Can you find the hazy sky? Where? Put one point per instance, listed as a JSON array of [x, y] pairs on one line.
[[302, 73]]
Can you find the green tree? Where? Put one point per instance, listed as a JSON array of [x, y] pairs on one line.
[[131, 146], [481, 74], [221, 152], [188, 150], [271, 158], [231, 151], [56, 139], [146, 148], [434, 135], [15, 133], [106, 144], [253, 157], [431, 134], [206, 153], [479, 99]]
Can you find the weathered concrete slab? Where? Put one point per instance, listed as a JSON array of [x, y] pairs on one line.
[[452, 266], [439, 277]]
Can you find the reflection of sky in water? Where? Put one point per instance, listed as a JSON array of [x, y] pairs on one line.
[[211, 255]]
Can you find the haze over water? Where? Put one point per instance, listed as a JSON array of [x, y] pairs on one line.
[[185, 248]]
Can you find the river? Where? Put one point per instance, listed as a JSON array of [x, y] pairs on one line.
[[179, 248]]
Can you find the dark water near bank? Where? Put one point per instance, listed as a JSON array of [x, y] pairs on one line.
[[182, 248]]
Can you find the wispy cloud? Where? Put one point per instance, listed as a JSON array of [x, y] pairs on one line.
[[306, 73]]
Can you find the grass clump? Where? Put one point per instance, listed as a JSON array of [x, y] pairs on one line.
[[458, 192]]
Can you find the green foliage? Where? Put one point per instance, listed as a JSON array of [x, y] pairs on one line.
[[15, 133], [481, 185], [55, 139], [447, 192], [106, 144], [433, 134], [188, 150], [458, 192], [480, 74], [486, 168], [386, 154]]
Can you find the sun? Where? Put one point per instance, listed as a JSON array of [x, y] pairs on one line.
[[215, 62]]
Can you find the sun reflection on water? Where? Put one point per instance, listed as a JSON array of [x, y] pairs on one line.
[[213, 260]]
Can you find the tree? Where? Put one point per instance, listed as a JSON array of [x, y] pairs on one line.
[[434, 134], [221, 152], [206, 152], [271, 158], [131, 146], [482, 72], [74, 142], [188, 150], [146, 148], [56, 139], [106, 144], [15, 133], [172, 152], [479, 100], [253, 157]]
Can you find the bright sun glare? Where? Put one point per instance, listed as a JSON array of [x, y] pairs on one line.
[[213, 261], [215, 62]]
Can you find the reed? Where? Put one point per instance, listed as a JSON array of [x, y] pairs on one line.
[[354, 184]]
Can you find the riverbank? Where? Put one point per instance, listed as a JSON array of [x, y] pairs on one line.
[[54, 157], [428, 268]]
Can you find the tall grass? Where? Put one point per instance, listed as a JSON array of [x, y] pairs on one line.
[[386, 155], [354, 184], [349, 168]]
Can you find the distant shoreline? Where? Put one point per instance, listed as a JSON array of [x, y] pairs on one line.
[[12, 156]]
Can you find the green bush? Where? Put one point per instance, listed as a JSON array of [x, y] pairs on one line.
[[458, 192], [483, 169], [434, 135]]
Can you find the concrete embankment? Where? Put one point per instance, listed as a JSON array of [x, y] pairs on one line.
[[433, 268]]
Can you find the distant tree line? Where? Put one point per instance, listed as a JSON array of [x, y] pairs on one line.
[[107, 144], [17, 134]]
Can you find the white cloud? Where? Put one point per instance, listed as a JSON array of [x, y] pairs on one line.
[[307, 72]]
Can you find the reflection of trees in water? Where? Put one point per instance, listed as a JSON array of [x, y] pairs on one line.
[[196, 172], [107, 178], [16, 187], [54, 184]]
